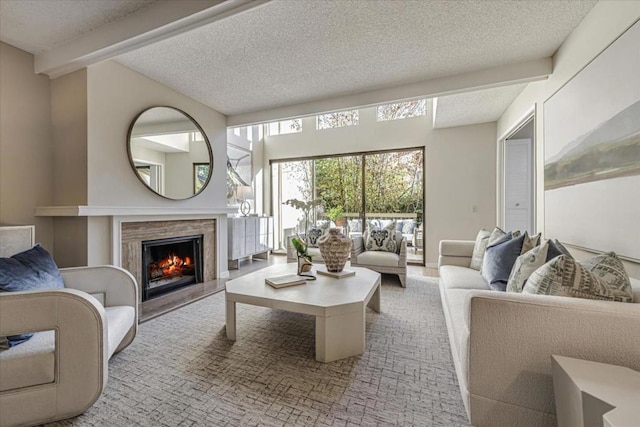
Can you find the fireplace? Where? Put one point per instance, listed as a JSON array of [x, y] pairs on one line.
[[170, 264]]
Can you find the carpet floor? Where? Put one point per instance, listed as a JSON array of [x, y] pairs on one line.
[[182, 371]]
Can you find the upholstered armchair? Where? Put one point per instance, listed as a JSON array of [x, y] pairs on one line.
[[292, 255], [381, 261], [62, 370]]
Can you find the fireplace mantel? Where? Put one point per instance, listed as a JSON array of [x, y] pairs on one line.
[[83, 210]]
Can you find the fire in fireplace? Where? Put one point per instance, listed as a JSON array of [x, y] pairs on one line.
[[170, 264]]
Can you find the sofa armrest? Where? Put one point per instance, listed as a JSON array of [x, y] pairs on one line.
[[113, 286], [357, 247], [116, 285], [456, 252], [512, 337], [80, 352]]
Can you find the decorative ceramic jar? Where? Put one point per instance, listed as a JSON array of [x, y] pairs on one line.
[[334, 247]]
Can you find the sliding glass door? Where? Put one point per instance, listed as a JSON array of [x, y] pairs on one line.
[[356, 191]]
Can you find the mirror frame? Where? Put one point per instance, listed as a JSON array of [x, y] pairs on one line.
[[204, 136]]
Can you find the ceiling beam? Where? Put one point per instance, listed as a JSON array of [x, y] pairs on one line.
[[158, 21], [522, 72]]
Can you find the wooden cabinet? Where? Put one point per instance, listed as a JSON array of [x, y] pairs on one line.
[[249, 236]]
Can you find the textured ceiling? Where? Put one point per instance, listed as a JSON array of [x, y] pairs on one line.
[[40, 25], [470, 108], [286, 52]]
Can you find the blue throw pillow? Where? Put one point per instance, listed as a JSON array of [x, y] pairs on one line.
[[499, 260], [31, 270], [556, 249]]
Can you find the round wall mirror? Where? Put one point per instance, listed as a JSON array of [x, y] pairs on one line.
[[169, 152]]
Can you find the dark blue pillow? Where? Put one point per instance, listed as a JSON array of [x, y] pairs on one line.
[[556, 249], [31, 270], [499, 260]]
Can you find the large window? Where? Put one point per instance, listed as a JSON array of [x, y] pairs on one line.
[[336, 120], [401, 110], [356, 190]]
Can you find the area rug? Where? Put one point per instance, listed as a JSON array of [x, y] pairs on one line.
[[182, 371]]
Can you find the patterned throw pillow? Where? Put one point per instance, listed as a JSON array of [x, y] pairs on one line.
[[355, 226], [525, 265], [602, 277], [377, 239], [499, 260], [530, 242], [408, 226], [482, 241], [314, 234]]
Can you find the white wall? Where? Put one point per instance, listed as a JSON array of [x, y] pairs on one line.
[[116, 95], [606, 21], [460, 166], [26, 145]]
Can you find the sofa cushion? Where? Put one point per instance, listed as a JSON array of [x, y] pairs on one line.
[[379, 258], [29, 364], [454, 277], [601, 277], [119, 321], [30, 270], [499, 260]]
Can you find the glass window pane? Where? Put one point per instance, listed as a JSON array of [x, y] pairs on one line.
[[402, 110], [336, 120]]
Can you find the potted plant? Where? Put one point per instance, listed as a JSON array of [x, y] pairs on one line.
[[304, 259], [336, 215]]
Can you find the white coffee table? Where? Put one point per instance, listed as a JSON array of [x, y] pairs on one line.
[[339, 305], [595, 394]]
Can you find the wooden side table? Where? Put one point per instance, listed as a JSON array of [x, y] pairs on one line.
[[595, 394]]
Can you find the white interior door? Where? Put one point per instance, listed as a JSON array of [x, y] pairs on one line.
[[518, 185]]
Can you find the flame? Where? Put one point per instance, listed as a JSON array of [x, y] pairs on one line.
[[172, 264]]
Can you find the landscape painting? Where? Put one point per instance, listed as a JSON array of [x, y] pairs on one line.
[[592, 153]]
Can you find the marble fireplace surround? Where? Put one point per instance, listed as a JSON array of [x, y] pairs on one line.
[[132, 235]]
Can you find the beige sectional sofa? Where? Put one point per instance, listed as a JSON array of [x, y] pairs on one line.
[[502, 342]]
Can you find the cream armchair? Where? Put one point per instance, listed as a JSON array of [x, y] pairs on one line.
[[380, 261], [62, 370]]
